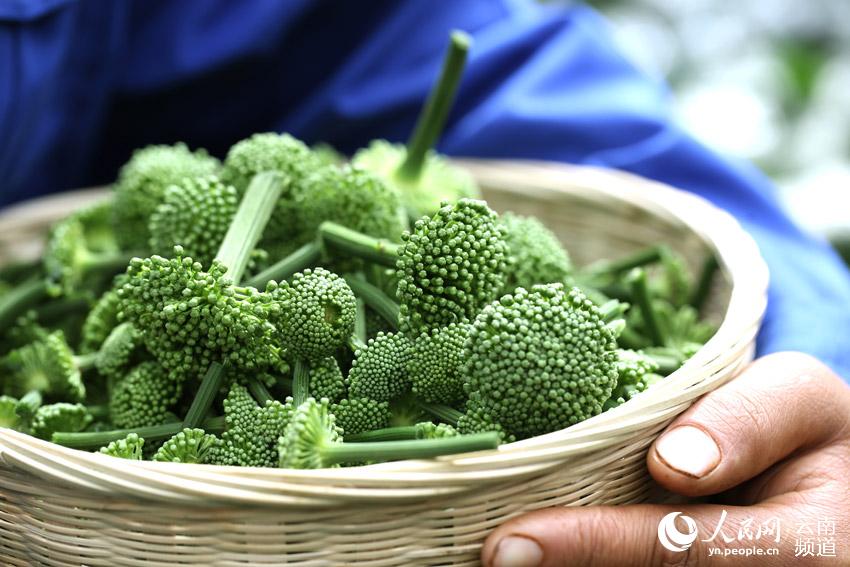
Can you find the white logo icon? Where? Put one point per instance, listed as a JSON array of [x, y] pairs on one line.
[[670, 536]]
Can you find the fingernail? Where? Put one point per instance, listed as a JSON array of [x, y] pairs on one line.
[[689, 450], [517, 551]]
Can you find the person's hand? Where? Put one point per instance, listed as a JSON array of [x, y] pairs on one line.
[[773, 445]]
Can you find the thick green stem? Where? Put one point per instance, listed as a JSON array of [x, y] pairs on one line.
[[355, 344], [86, 361], [205, 395], [668, 359], [703, 287], [97, 439], [632, 340], [16, 302], [339, 239], [114, 262], [58, 310], [640, 258], [401, 433], [249, 223], [640, 294], [259, 391], [300, 382], [100, 411], [360, 330], [376, 299], [339, 453], [433, 116], [443, 412], [305, 257]]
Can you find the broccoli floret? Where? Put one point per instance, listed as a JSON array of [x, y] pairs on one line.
[[437, 182], [429, 430], [535, 254], [327, 380], [379, 370], [128, 448], [316, 317], [327, 154], [541, 360], [69, 418], [117, 350], [195, 213], [101, 319], [635, 373], [70, 260], [317, 313], [141, 187], [250, 439], [144, 397], [451, 265], [424, 178], [356, 415], [272, 152], [435, 365], [189, 318], [188, 446], [49, 366], [353, 198], [313, 441], [9, 416]]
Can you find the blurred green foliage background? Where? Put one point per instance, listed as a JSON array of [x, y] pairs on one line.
[[764, 80]]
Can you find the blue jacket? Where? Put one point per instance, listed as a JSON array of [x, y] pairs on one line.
[[83, 82]]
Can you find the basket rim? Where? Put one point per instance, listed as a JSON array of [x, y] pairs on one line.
[[400, 481]]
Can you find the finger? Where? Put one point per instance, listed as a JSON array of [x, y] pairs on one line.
[[632, 536], [780, 404]]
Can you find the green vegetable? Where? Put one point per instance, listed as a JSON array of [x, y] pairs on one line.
[[422, 430], [535, 254], [353, 198], [424, 178], [48, 366], [59, 417], [195, 214], [69, 261], [379, 369], [356, 415], [141, 187], [128, 448], [313, 441], [316, 317], [327, 380], [188, 446], [635, 373], [190, 318], [144, 397], [451, 265], [541, 360], [250, 439], [279, 153], [435, 364], [94, 439]]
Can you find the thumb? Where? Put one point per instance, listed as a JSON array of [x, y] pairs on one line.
[[778, 406], [636, 536]]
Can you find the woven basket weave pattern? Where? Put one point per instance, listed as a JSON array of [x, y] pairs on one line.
[[64, 507]]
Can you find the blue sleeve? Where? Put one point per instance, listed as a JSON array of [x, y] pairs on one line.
[[553, 80]]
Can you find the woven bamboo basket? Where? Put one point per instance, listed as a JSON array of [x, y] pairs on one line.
[[65, 507]]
